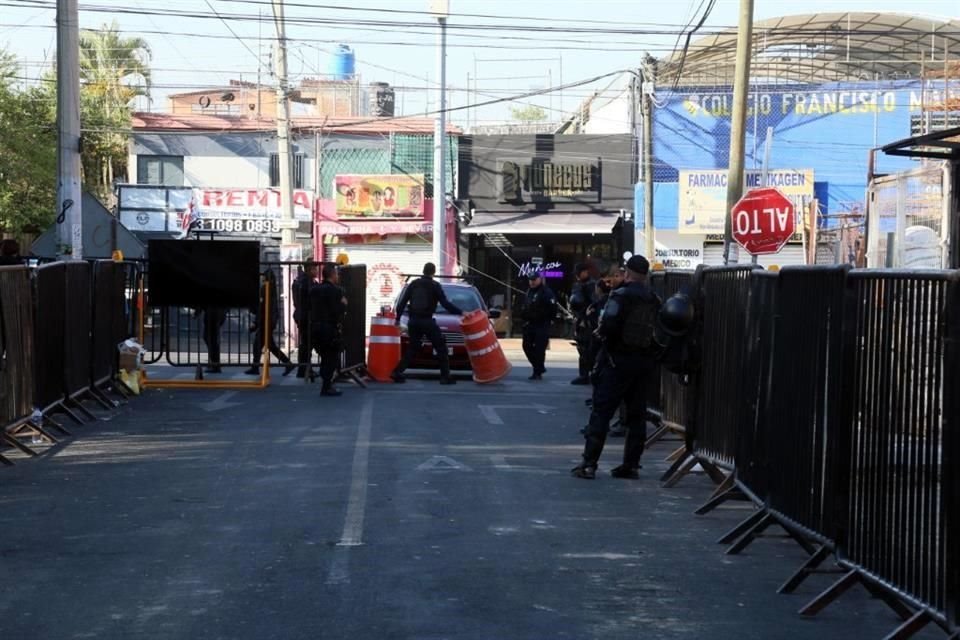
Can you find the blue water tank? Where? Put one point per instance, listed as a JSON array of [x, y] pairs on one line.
[[343, 64]]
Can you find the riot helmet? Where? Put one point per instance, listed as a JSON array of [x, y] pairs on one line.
[[676, 314]]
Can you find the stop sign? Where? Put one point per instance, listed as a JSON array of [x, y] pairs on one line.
[[763, 221]]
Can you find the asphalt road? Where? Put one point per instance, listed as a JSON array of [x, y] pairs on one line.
[[414, 511]]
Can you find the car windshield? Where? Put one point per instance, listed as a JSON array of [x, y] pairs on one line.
[[464, 299]]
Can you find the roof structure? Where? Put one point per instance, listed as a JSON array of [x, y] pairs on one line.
[[207, 123], [941, 145], [824, 47]]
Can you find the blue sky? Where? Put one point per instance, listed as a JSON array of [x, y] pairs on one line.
[[192, 51]]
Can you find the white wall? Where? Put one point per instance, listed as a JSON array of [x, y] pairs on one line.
[[226, 171], [609, 114]]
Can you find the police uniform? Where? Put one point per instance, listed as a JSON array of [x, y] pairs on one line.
[[423, 295], [623, 374], [301, 312], [538, 310], [582, 297], [326, 315]]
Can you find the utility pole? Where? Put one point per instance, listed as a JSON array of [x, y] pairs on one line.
[[69, 195], [741, 86], [441, 10], [288, 224], [646, 91]]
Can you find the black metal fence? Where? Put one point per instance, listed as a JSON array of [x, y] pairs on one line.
[[183, 337], [830, 396]]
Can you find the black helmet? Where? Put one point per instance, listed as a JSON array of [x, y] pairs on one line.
[[676, 314]]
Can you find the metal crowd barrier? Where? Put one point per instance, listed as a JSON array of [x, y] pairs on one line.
[[722, 296], [900, 474], [180, 338], [831, 396]]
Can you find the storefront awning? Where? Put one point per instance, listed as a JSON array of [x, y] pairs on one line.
[[573, 223]]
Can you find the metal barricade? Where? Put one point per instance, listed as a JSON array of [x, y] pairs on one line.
[[353, 280], [673, 394], [17, 340], [900, 458], [50, 316]]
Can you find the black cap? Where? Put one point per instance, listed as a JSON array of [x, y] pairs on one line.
[[580, 267], [638, 264]]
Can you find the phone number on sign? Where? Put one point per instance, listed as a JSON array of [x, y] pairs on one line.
[[231, 225]]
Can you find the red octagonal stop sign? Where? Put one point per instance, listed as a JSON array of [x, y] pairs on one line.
[[763, 221]]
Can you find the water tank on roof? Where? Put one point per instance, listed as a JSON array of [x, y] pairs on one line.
[[343, 64], [381, 100]]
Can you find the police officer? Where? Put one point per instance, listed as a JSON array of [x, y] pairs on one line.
[[627, 328], [327, 308], [301, 312], [423, 295], [582, 297], [538, 309]]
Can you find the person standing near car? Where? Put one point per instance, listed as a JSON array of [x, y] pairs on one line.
[[327, 308], [422, 296], [538, 309]]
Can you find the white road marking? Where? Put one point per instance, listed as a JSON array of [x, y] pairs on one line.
[[353, 523], [489, 411], [442, 463]]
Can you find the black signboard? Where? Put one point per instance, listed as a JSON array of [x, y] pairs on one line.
[[563, 173], [202, 273]]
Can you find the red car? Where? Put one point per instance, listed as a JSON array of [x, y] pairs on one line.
[[466, 297]]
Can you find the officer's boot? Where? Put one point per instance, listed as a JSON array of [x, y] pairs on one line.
[[632, 450], [591, 454]]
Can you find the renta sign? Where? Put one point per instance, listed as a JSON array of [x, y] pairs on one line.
[[251, 203]]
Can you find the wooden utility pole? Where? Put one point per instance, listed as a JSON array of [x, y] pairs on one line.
[[69, 194], [741, 87], [288, 225]]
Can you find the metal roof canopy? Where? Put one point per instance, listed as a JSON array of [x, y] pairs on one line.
[[941, 145], [548, 223], [822, 47]]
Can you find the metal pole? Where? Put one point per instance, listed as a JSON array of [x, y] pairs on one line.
[[69, 221], [288, 225], [439, 148], [741, 86], [767, 145], [645, 88]]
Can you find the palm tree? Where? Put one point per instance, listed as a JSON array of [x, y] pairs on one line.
[[114, 71]]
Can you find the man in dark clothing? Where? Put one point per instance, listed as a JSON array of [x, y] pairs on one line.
[[538, 309], [423, 295], [301, 316], [259, 326], [627, 329], [327, 308], [582, 297]]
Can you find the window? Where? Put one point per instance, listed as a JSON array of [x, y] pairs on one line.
[[298, 177], [160, 170]]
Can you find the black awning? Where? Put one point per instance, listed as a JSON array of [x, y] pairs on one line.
[[941, 145]]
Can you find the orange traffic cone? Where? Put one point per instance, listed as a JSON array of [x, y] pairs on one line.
[[487, 359], [383, 355]]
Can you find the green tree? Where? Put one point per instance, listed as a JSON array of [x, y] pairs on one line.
[[528, 113], [114, 71], [28, 155]]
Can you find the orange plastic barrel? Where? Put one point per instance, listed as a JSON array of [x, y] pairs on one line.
[[487, 359], [383, 354]]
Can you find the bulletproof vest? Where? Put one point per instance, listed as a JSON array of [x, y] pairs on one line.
[[639, 322], [422, 299]]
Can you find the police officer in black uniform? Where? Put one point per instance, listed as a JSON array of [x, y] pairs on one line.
[[327, 308], [538, 309], [582, 297], [301, 316], [423, 295], [627, 327]]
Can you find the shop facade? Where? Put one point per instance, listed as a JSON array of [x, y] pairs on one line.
[[543, 202]]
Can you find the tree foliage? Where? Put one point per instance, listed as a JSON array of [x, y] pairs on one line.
[[28, 155], [529, 113]]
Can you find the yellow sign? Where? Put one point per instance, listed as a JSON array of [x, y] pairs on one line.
[[703, 195]]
